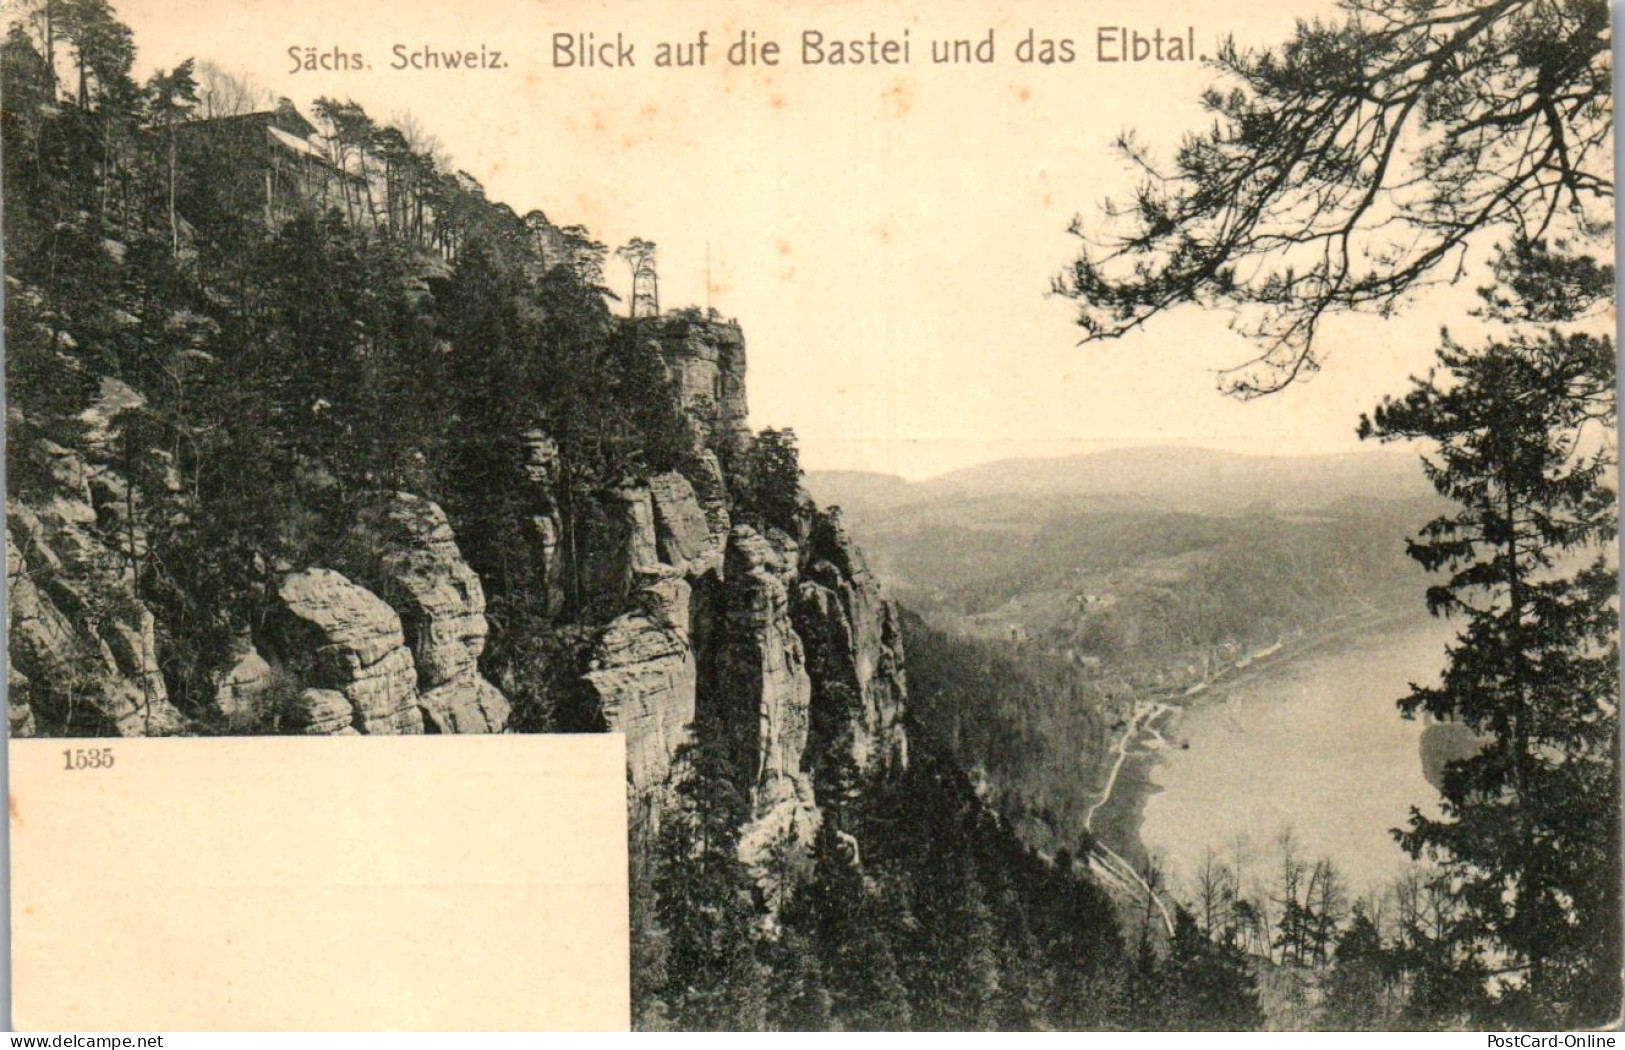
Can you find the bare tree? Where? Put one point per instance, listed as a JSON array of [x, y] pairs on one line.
[[222, 93], [1216, 893]]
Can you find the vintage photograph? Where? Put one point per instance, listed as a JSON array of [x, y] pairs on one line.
[[1087, 517]]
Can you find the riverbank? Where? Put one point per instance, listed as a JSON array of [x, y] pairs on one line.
[[1119, 817]]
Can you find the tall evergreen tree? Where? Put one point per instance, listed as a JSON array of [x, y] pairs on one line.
[[1205, 985], [1357, 994], [1529, 834], [846, 926]]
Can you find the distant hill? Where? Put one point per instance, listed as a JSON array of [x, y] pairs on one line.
[[862, 491], [1167, 478]]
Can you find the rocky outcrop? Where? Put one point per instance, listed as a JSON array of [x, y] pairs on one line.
[[547, 528], [764, 687], [19, 714], [344, 644], [782, 644], [244, 688], [855, 643], [644, 676], [787, 648], [617, 551], [644, 669], [408, 554], [83, 652], [706, 360], [683, 533], [711, 489]]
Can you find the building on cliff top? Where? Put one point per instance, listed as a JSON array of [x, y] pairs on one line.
[[278, 158]]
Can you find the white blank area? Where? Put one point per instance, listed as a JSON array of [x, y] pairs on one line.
[[276, 883]]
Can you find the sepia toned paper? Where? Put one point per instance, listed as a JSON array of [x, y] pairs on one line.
[[565, 515]]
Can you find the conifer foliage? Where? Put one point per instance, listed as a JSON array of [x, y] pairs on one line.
[[1529, 834]]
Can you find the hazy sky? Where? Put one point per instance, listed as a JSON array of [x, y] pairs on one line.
[[886, 235]]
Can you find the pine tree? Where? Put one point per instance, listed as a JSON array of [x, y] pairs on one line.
[[1528, 838], [771, 489], [170, 97], [799, 1001], [1205, 985], [1357, 992]]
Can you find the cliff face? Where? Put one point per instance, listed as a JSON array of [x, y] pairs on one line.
[[644, 670], [856, 645], [706, 360], [83, 651], [764, 688], [782, 643]]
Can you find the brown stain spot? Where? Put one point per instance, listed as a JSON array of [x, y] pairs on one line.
[[629, 141], [649, 111], [783, 247], [598, 123], [717, 288], [1024, 93], [787, 274], [28, 909], [882, 232], [16, 813], [776, 101], [1049, 199], [900, 96]]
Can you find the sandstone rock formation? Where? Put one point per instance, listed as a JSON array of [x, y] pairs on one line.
[[643, 673], [683, 533], [547, 528], [410, 557], [764, 686], [782, 642], [712, 492], [706, 360], [854, 639], [644, 669], [243, 689], [617, 551], [767, 635]]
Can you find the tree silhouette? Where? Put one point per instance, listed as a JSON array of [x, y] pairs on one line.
[[1529, 837], [1355, 165]]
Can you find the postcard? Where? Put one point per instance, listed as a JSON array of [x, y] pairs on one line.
[[997, 516]]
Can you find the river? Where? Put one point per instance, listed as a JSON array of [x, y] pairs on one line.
[[1313, 742]]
